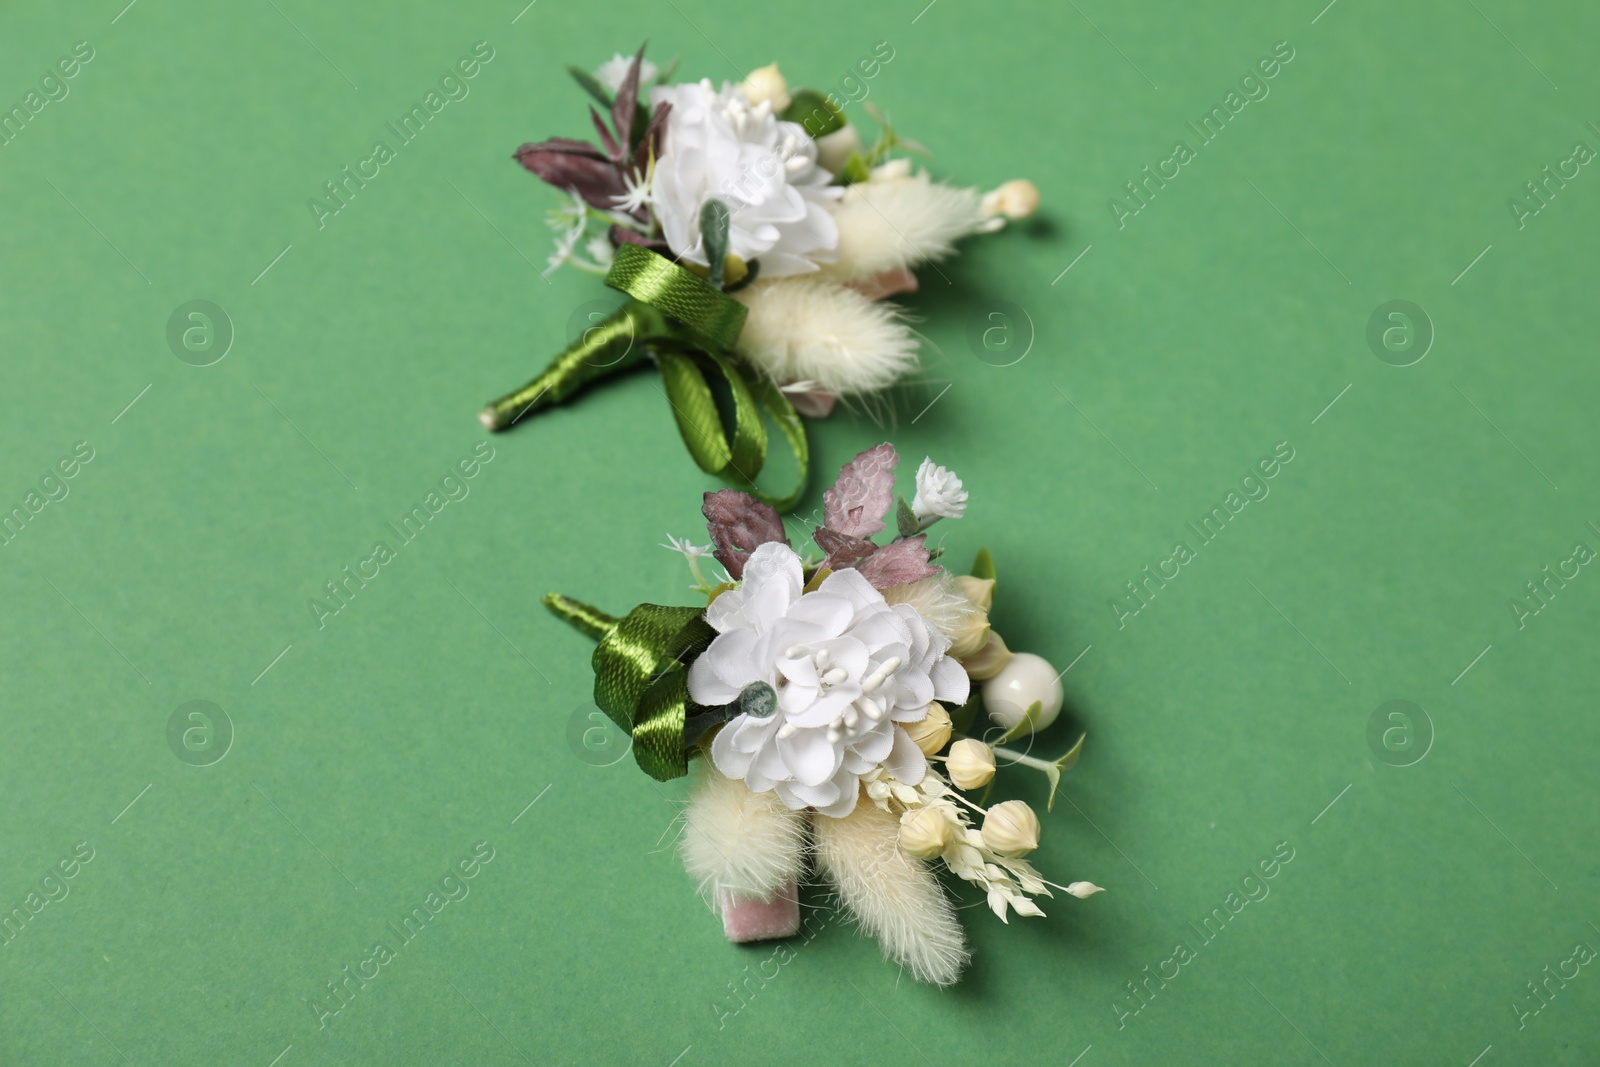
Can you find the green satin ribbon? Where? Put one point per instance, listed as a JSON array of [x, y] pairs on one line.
[[689, 328], [641, 676]]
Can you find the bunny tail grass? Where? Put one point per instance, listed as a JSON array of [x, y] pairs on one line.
[[806, 329], [895, 897], [747, 844]]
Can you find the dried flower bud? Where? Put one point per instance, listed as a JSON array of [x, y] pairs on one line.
[[834, 148], [766, 83], [1016, 199], [978, 590], [972, 631], [970, 763], [924, 832], [931, 733], [989, 660], [1084, 890], [1011, 829]]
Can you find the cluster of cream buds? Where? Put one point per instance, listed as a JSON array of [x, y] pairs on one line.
[[935, 824]]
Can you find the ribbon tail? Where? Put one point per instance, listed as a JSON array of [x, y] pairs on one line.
[[590, 620], [606, 348]]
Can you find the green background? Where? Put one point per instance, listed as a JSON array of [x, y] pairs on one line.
[[1182, 346]]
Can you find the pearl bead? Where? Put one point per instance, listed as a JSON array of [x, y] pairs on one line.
[[1026, 679]]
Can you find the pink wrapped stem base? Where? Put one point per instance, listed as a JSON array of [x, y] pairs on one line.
[[754, 919]]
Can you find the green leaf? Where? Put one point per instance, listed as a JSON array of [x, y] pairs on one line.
[[667, 72], [1025, 725], [590, 86], [714, 223], [1065, 763], [811, 109], [855, 169], [906, 520], [983, 564], [961, 718]]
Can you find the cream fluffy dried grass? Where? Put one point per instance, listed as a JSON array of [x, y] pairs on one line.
[[939, 600], [896, 898], [744, 842], [807, 329], [899, 219]]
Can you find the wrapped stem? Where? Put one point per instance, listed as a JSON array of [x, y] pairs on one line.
[[591, 620], [614, 344]]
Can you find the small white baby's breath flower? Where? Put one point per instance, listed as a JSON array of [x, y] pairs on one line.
[[612, 71], [939, 494]]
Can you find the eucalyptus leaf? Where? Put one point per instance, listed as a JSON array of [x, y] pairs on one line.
[[906, 519], [715, 221], [1025, 725], [855, 169], [758, 700], [591, 86], [812, 111], [1065, 763]]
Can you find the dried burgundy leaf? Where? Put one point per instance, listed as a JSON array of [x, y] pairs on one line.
[[901, 561], [739, 523], [651, 144], [861, 497], [585, 172], [605, 136], [627, 102], [842, 549], [621, 235], [562, 144]]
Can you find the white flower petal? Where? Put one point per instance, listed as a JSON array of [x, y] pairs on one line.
[[810, 757], [905, 760], [950, 682], [849, 793], [729, 760], [705, 687]]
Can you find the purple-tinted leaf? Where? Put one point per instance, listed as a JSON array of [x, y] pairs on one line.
[[738, 523], [655, 134], [842, 549], [562, 144], [605, 136], [585, 172], [622, 235], [861, 497], [627, 102], [897, 562]]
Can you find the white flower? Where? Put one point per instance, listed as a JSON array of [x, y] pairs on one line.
[[638, 191], [612, 71], [846, 667], [720, 147], [939, 494]]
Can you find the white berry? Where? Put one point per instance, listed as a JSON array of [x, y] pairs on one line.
[[1026, 679]]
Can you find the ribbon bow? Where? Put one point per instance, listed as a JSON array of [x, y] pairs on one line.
[[688, 327], [641, 676]]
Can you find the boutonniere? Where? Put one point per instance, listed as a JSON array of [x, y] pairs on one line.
[[829, 700], [756, 237]]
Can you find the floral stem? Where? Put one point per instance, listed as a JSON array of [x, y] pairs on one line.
[[610, 346], [590, 620], [1027, 761]]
